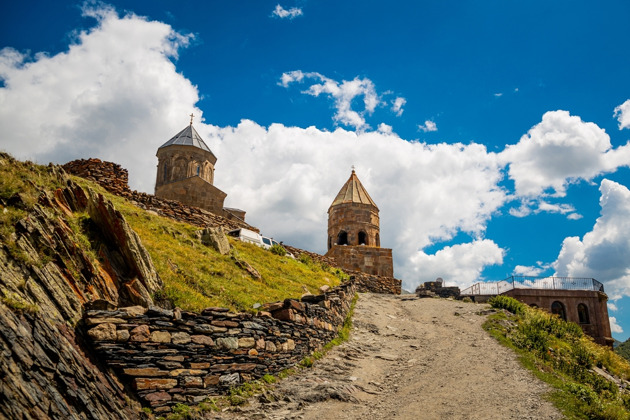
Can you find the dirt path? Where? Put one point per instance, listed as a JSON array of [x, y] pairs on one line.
[[410, 358]]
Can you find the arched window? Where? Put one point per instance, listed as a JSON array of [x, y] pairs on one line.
[[583, 314], [378, 240], [329, 242], [557, 308], [363, 238], [165, 172], [342, 238], [198, 170]]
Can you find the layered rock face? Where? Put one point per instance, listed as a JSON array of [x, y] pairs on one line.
[[46, 277]]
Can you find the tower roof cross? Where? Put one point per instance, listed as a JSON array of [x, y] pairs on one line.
[[191, 118]]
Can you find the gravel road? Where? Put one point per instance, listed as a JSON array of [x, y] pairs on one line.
[[409, 358]]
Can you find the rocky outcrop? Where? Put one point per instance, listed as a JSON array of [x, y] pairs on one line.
[[72, 249]]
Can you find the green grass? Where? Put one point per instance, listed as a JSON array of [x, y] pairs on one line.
[[560, 354], [195, 276]]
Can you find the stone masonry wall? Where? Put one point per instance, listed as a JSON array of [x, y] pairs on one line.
[[174, 356], [367, 259], [114, 179]]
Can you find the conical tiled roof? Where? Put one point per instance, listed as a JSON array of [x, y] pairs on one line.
[[188, 137], [353, 192]]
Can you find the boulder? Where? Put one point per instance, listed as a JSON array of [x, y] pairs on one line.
[[216, 238]]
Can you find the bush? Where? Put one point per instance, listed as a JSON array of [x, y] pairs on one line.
[[278, 250], [507, 303]]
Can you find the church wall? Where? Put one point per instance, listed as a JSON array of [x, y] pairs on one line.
[[366, 259], [194, 192], [181, 162], [353, 218]]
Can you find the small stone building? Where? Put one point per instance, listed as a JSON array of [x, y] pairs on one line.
[[579, 300], [354, 232], [185, 173], [587, 308]]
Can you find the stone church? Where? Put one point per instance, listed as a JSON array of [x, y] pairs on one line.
[[354, 231], [185, 173]]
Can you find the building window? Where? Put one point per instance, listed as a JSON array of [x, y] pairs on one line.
[[557, 308], [342, 238], [363, 238], [329, 242], [165, 172], [583, 314], [198, 170], [378, 240]]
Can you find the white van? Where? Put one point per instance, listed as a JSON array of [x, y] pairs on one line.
[[247, 235]]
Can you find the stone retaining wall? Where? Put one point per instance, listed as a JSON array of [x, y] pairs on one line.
[[169, 357]]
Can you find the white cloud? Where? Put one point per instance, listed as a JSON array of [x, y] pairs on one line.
[[498, 95], [459, 265], [614, 327], [612, 306], [397, 105], [282, 13], [560, 150], [522, 270], [385, 129], [288, 176], [622, 113], [427, 126], [603, 252], [344, 94], [115, 94]]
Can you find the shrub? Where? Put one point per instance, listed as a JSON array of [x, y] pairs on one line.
[[507, 303], [278, 250]]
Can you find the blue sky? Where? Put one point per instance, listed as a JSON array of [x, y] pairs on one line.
[[493, 135]]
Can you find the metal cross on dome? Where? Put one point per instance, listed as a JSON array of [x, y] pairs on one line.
[[191, 118]]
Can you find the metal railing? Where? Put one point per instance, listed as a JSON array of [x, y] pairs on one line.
[[531, 282]]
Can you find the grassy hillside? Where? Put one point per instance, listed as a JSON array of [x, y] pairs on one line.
[[195, 276], [588, 379]]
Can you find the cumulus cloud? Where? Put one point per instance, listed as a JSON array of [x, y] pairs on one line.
[[427, 126], [614, 327], [287, 178], [523, 270], [282, 13], [612, 306], [560, 150], [344, 94], [603, 252], [471, 259], [114, 94], [397, 105], [622, 113]]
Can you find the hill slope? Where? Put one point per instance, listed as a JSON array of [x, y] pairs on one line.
[[66, 244]]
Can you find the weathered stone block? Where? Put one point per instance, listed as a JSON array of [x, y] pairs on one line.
[[202, 339], [186, 372], [227, 343], [161, 337], [103, 332], [141, 333], [180, 338], [160, 396], [149, 371], [154, 383], [246, 342]]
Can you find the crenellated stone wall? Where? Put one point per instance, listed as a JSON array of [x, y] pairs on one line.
[[173, 356]]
